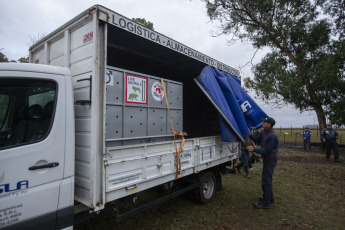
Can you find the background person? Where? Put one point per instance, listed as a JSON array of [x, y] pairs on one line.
[[330, 136], [269, 153], [245, 156], [306, 139]]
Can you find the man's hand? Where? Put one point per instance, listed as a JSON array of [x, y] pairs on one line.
[[250, 148], [324, 140], [305, 138]]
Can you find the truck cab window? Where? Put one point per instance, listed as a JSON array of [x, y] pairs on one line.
[[4, 100], [26, 110]]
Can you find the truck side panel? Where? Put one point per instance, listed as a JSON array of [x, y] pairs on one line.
[[81, 61], [131, 169], [74, 48]]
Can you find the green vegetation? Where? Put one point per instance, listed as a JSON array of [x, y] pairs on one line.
[[295, 135], [143, 22], [305, 65], [309, 194]]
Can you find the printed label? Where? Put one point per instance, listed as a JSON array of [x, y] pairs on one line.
[[157, 91], [126, 178], [88, 37], [109, 78], [184, 162], [186, 155], [128, 25], [136, 89], [10, 215]]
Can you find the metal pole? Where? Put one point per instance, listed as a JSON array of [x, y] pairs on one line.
[[341, 137]]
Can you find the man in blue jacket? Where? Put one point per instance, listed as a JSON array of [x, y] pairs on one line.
[[330, 136], [306, 139], [269, 142]]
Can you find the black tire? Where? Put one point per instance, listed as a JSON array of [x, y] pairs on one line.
[[205, 193]]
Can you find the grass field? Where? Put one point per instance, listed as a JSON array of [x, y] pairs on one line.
[[309, 194], [293, 135]]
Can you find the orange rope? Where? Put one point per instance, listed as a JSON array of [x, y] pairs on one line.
[[178, 151]]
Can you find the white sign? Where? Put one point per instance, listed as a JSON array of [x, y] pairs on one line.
[[136, 89], [157, 91]]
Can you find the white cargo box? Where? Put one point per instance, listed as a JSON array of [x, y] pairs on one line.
[[107, 164], [136, 108]]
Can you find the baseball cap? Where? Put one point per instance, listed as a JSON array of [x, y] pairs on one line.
[[329, 123], [269, 120]]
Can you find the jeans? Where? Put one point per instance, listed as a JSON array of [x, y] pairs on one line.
[[307, 142], [245, 157], [267, 174]]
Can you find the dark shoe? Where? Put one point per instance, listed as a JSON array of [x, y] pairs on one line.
[[246, 169], [238, 167], [327, 159], [261, 206], [337, 160], [261, 199]]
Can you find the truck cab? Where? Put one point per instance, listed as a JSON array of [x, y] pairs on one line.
[[36, 146]]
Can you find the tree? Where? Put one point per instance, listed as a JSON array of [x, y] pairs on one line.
[[23, 59], [304, 67], [143, 22], [3, 58], [336, 10]]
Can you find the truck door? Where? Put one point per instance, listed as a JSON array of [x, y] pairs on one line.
[[32, 146]]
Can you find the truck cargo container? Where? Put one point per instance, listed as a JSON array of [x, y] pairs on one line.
[[89, 124]]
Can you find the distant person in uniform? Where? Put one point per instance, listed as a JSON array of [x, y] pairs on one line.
[[330, 136], [269, 142], [306, 139]]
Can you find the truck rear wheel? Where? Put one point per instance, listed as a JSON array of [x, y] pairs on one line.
[[205, 193]]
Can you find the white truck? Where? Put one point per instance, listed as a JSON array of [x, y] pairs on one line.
[[88, 124]]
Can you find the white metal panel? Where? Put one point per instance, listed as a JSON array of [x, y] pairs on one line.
[[56, 52], [38, 56], [56, 48], [66, 193], [58, 61], [82, 51], [78, 38], [81, 66], [74, 46], [134, 168]]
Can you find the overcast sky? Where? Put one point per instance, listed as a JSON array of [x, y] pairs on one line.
[[182, 20]]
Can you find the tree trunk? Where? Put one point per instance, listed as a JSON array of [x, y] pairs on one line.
[[320, 117]]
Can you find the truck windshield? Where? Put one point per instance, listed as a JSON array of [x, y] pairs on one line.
[[26, 110]]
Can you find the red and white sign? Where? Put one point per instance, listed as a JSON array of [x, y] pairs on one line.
[[136, 89], [157, 91]]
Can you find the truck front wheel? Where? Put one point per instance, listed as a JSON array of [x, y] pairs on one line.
[[205, 193]]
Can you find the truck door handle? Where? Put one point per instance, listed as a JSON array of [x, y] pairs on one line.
[[49, 165]]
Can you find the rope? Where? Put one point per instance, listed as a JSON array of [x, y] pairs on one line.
[[178, 151]]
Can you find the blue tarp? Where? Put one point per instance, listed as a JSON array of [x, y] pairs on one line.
[[238, 111]]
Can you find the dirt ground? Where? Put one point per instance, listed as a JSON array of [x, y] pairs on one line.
[[309, 194]]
